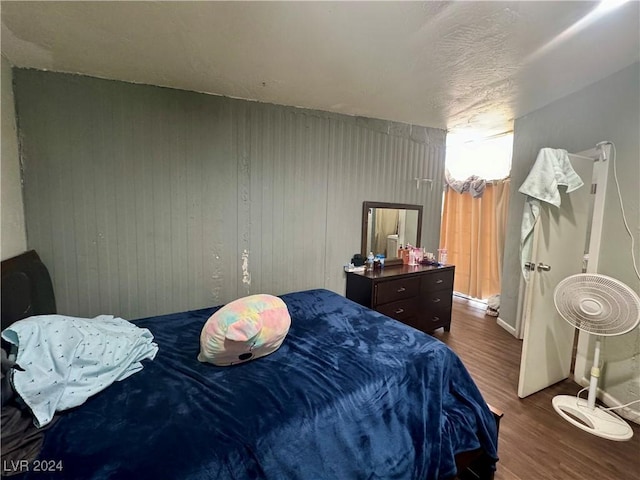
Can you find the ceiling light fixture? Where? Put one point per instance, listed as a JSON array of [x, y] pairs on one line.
[[608, 5], [604, 7]]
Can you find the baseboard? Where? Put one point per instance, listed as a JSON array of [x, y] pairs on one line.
[[608, 399], [506, 326]]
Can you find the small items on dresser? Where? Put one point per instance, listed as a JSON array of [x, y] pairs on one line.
[[411, 255], [357, 260], [370, 259], [374, 262], [378, 262], [357, 264], [419, 256], [429, 259]]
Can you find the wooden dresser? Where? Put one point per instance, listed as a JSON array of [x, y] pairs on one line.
[[419, 296]]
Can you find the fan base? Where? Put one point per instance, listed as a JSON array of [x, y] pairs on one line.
[[595, 421]]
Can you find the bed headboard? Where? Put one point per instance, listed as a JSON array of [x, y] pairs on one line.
[[26, 288]]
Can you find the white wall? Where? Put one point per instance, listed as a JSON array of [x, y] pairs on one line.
[[606, 110], [12, 230]]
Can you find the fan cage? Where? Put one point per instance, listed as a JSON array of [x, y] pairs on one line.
[[597, 304]]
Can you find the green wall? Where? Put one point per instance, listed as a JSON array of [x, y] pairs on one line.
[[606, 110], [145, 200]]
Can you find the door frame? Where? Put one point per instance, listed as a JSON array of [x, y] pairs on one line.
[[565, 334], [600, 175]]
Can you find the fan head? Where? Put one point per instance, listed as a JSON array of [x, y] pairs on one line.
[[597, 304]]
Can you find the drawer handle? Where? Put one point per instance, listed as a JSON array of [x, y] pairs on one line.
[[436, 300], [401, 289], [439, 280], [435, 319], [399, 311]]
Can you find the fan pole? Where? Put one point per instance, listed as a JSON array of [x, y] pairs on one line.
[[595, 375]]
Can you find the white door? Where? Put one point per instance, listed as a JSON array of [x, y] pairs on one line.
[[559, 241]]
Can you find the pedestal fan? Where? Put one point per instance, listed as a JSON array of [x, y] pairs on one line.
[[602, 306]]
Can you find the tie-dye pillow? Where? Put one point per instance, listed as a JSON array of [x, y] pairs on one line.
[[245, 329]]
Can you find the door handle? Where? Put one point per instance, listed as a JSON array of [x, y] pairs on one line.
[[529, 266], [543, 267]]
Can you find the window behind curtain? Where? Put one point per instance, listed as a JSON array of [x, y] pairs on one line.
[[489, 159], [473, 229]]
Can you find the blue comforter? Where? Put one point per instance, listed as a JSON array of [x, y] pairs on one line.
[[351, 394]]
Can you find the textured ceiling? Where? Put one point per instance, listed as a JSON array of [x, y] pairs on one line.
[[457, 65]]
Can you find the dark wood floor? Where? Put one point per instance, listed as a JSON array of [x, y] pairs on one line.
[[535, 442]]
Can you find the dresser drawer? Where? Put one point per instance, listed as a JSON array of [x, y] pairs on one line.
[[400, 310], [436, 319], [399, 289], [438, 300], [430, 321], [438, 280]]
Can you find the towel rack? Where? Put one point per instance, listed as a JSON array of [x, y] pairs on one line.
[[423, 180]]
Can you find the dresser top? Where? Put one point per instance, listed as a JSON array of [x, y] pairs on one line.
[[397, 270]]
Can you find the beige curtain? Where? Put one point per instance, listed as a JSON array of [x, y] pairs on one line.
[[473, 232], [386, 224]]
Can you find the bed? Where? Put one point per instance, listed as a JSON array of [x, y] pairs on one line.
[[350, 394]]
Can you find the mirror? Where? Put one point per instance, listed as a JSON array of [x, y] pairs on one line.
[[387, 226]]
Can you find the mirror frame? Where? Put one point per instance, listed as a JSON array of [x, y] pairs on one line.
[[365, 227]]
